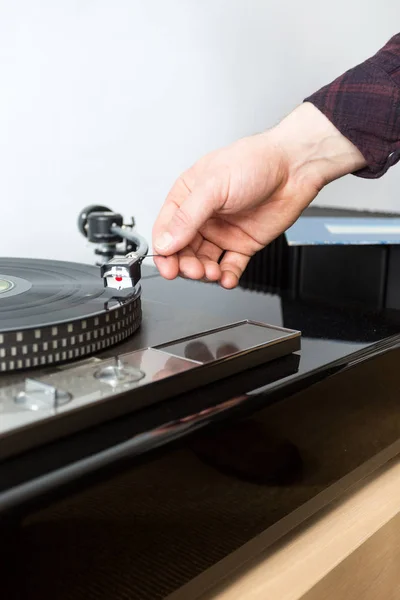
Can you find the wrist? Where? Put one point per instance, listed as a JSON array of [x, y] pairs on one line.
[[315, 151]]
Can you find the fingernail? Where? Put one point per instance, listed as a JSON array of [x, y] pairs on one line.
[[164, 241]]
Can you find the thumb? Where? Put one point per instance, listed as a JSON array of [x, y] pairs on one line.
[[187, 219]]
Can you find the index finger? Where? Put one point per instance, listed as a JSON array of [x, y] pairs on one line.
[[177, 195], [168, 266]]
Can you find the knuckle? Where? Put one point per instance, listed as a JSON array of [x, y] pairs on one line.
[[184, 182], [182, 220]]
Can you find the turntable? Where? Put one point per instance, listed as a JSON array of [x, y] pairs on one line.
[[69, 351], [94, 402]]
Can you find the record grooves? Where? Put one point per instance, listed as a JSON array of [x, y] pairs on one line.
[[54, 311]]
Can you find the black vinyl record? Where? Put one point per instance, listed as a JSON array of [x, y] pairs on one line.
[[54, 311]]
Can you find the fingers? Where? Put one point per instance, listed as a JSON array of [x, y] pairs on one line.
[[209, 254], [175, 198], [183, 215], [228, 233], [203, 265], [232, 267], [167, 266], [200, 261], [189, 265], [171, 219]]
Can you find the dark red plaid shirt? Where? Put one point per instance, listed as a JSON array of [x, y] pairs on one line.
[[364, 105]]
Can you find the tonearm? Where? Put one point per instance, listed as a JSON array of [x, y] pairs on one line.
[[121, 267]]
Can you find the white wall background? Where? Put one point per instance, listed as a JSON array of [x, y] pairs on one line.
[[106, 101]]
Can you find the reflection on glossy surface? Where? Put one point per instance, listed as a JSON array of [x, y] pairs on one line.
[[133, 434], [226, 341], [247, 451], [328, 334], [156, 364], [172, 366], [88, 384], [314, 319], [202, 502], [156, 526], [334, 325], [202, 353]]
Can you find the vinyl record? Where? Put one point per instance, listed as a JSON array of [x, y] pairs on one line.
[[53, 311]]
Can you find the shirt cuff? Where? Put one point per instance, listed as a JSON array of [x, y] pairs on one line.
[[364, 105]]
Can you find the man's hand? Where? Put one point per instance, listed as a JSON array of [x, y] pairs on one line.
[[235, 201]]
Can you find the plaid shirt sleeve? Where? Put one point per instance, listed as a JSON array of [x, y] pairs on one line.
[[364, 105]]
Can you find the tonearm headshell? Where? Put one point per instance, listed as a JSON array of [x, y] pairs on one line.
[[121, 268]]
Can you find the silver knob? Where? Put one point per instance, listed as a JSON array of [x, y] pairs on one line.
[[119, 374]]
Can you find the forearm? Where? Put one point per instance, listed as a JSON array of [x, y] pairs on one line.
[[364, 105]]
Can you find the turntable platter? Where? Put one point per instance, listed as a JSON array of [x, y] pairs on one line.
[[54, 311]]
